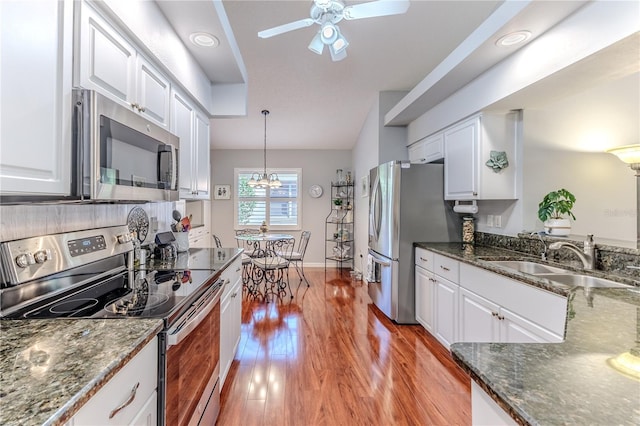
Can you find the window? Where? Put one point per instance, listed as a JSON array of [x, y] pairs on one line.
[[279, 207]]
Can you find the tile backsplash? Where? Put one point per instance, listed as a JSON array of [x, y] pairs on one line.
[[30, 220]]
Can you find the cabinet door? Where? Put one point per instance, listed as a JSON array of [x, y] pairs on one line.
[[202, 176], [226, 344], [107, 60], [478, 318], [236, 303], [35, 97], [516, 329], [461, 160], [424, 282], [434, 147], [148, 415], [417, 153], [446, 311], [182, 126], [153, 93]]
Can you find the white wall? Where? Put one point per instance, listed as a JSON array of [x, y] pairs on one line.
[[318, 167]]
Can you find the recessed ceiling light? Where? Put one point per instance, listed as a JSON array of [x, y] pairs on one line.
[[204, 40], [516, 37]]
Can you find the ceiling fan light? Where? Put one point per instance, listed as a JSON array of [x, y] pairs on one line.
[[339, 45], [337, 56], [316, 45], [328, 33]]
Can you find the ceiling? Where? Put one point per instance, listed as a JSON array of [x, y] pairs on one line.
[[319, 104]]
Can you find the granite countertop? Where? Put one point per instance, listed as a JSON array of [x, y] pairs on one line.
[[559, 383], [50, 368]]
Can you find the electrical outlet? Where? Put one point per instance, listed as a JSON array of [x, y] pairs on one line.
[[497, 221], [490, 220]]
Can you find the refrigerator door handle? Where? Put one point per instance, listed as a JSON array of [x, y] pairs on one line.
[[376, 211], [378, 259]]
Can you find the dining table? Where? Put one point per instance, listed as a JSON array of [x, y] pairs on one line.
[[258, 245]]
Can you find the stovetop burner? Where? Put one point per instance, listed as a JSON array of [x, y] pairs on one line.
[[74, 306]]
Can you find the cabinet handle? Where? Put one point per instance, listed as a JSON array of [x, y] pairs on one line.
[[475, 194], [433, 280], [141, 108], [445, 268], [129, 400], [238, 270], [423, 259], [500, 317], [234, 294], [495, 314], [423, 160]]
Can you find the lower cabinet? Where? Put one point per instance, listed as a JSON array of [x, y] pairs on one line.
[[485, 411], [230, 320], [457, 302], [446, 311], [425, 290], [129, 397]]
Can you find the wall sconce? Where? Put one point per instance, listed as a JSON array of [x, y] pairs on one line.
[[630, 154]]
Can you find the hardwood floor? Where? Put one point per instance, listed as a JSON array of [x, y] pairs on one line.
[[329, 357]]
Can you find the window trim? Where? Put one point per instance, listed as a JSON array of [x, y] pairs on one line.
[[241, 170]]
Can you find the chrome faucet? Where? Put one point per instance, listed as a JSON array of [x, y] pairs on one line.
[[587, 255], [543, 255]]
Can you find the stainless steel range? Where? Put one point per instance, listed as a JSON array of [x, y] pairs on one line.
[[90, 274]]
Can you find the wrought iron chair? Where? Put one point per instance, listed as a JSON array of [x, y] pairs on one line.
[[297, 256], [217, 241], [273, 268]]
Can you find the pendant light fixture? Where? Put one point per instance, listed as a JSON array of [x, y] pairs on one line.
[[262, 180]]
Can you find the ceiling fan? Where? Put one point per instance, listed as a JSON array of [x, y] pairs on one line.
[[327, 14]]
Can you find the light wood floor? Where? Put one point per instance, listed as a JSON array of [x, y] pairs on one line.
[[329, 357]]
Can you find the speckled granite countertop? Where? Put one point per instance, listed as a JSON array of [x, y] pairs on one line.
[[568, 383], [50, 368]]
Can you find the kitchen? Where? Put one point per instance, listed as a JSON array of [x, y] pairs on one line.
[[58, 218]]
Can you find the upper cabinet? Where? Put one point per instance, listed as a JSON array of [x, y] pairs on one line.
[[35, 98], [428, 150], [480, 158], [109, 64], [192, 127]]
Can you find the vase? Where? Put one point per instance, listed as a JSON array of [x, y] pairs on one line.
[[264, 228], [557, 227]]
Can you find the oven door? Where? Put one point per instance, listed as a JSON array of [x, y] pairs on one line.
[[192, 364]]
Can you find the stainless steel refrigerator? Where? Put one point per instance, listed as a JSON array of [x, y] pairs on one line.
[[406, 205]]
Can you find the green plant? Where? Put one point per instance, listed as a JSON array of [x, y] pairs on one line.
[[337, 201], [556, 204]]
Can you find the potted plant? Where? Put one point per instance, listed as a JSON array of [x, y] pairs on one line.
[[553, 209], [337, 202]]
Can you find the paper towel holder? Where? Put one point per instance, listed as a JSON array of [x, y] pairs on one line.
[[468, 207]]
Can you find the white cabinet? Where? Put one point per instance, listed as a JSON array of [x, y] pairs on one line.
[[436, 292], [230, 317], [446, 311], [468, 146], [427, 150], [192, 127], [129, 397], [111, 65], [36, 47], [425, 288], [494, 308]]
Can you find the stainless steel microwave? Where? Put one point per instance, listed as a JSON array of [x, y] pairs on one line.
[[119, 155]]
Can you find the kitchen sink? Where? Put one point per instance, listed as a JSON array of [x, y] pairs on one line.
[[527, 267], [582, 280]]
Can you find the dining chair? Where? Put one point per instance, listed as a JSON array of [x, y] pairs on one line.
[[296, 257], [217, 241], [272, 269]]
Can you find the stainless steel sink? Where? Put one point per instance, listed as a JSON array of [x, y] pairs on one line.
[[582, 280], [527, 267]]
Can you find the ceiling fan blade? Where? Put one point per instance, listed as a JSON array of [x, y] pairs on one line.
[[376, 8], [285, 28]]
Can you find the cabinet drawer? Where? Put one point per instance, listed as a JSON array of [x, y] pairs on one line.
[[424, 259], [140, 374], [446, 267]]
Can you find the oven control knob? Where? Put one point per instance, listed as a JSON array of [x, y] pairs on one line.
[[42, 256], [124, 238], [24, 260]]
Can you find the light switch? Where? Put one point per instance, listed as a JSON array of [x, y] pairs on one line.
[[490, 220], [497, 221]]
